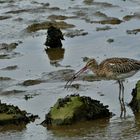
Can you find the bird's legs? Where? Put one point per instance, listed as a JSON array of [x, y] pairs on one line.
[[121, 98]]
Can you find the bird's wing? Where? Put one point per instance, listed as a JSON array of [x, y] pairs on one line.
[[121, 65]]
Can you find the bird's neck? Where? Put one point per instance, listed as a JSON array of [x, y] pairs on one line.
[[95, 68]]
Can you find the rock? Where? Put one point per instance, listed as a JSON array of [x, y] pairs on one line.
[[101, 15], [73, 33], [103, 28], [14, 67], [11, 92], [31, 82], [54, 37], [5, 79], [110, 40], [110, 20], [29, 96], [8, 47], [10, 114], [74, 108], [60, 17], [45, 25], [133, 16], [135, 102], [4, 17], [6, 50], [88, 2]]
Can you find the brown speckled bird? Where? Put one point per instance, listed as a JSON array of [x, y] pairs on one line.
[[111, 69]]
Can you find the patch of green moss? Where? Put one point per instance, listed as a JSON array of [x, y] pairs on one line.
[[4, 116], [74, 108], [68, 109], [12, 118]]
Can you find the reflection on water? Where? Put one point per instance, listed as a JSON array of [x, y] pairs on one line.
[[81, 128], [16, 128], [55, 55]]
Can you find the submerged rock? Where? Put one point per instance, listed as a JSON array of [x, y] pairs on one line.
[[4, 17], [11, 92], [103, 28], [135, 102], [74, 108], [8, 47], [14, 67], [73, 33], [45, 25], [135, 31], [29, 96], [6, 50], [110, 40], [5, 79], [133, 16], [88, 2], [10, 114], [110, 20], [32, 82], [60, 17]]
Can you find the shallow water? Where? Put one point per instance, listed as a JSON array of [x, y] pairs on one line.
[[34, 63]]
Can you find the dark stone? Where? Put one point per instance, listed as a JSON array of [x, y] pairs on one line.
[[135, 102], [54, 37]]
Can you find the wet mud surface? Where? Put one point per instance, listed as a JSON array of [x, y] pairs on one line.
[[33, 78]]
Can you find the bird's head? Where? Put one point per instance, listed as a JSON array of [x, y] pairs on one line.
[[90, 64]]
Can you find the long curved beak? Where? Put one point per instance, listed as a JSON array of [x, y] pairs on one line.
[[69, 82]]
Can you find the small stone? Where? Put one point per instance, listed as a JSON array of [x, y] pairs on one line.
[[110, 40]]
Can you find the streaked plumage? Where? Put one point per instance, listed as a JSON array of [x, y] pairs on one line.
[[111, 68], [114, 68]]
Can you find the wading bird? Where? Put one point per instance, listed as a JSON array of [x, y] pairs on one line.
[[111, 69]]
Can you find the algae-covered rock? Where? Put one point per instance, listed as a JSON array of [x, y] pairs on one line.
[[59, 17], [110, 40], [32, 82], [103, 28], [74, 108], [6, 50], [10, 114], [109, 20], [14, 67], [135, 102], [4, 17], [45, 25], [73, 33], [135, 31]]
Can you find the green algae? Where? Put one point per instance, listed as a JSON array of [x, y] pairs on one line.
[[10, 114], [75, 108], [67, 110]]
